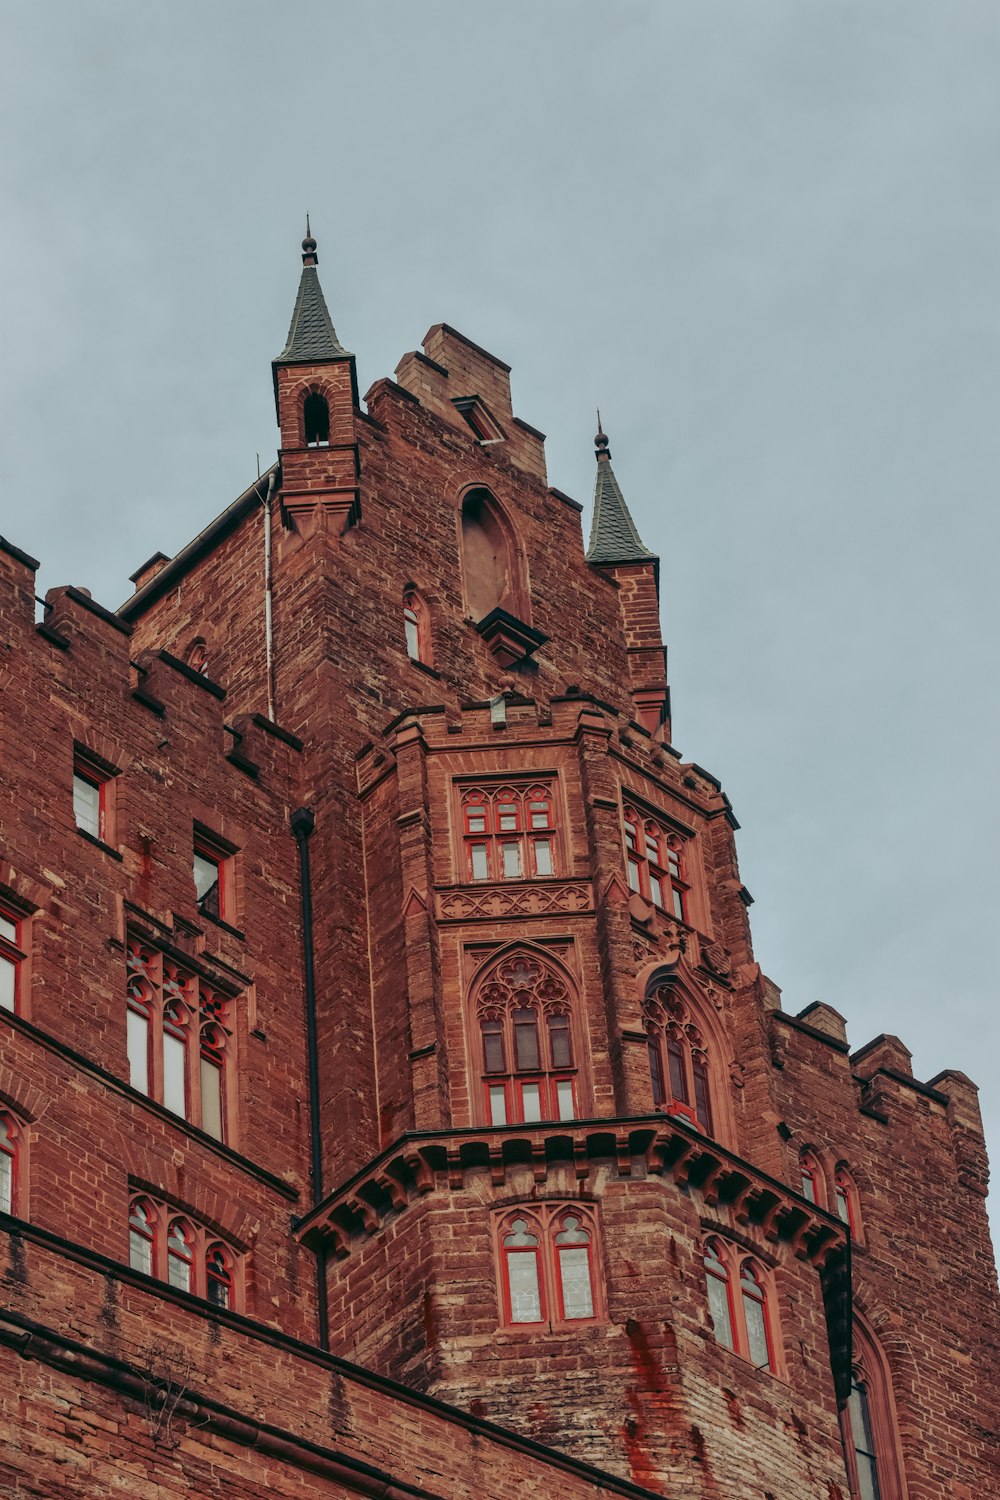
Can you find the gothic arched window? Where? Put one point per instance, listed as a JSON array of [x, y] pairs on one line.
[[741, 1302], [845, 1198], [416, 627], [488, 557], [182, 1252], [654, 857], [316, 421], [142, 1226], [868, 1424], [508, 831], [813, 1186], [10, 1163], [679, 1066], [548, 1265], [528, 1053]]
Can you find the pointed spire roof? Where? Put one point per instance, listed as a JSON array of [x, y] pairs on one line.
[[312, 337], [613, 537]]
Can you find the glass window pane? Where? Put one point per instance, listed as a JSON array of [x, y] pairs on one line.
[[87, 806], [475, 819], [8, 928], [498, 1104], [412, 634], [559, 1042], [633, 875], [718, 1306], [175, 1074], [843, 1204], [506, 817], [678, 904], [702, 1100], [678, 1080], [673, 863], [140, 1252], [480, 867], [656, 1071], [211, 1098], [511, 861], [493, 1047], [753, 1311], [655, 889], [526, 1041], [206, 883], [8, 982], [564, 1098], [6, 1182], [522, 1279], [531, 1102], [137, 1045], [539, 814], [808, 1186], [543, 857], [179, 1272], [574, 1271], [218, 1279]]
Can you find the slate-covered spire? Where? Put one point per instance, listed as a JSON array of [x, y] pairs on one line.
[[312, 337], [613, 537]]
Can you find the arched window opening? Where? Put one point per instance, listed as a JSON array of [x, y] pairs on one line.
[[416, 627], [142, 1237], [180, 1255], [10, 1150], [548, 1265], [488, 561], [740, 1302], [845, 1197], [678, 1059], [653, 856], [12, 957], [868, 1424], [218, 1277], [316, 421], [812, 1179], [178, 1038], [197, 657], [525, 1023]]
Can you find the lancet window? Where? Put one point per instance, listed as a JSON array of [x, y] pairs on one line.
[[176, 1249], [528, 1052], [654, 858], [416, 627], [549, 1268], [679, 1064], [178, 1038], [741, 1302], [868, 1424], [13, 956]]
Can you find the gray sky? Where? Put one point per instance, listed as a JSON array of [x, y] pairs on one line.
[[764, 237]]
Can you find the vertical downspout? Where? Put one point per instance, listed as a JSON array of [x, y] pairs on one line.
[[268, 590], [303, 822]]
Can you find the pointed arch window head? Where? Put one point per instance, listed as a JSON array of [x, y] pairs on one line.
[[488, 557], [548, 1265], [14, 927], [11, 1140], [654, 859], [811, 1173], [177, 1250], [679, 1066], [509, 831], [846, 1201], [142, 1221], [416, 626], [197, 657], [869, 1428], [741, 1303], [528, 1052], [316, 420]]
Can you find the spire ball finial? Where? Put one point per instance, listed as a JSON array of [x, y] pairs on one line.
[[309, 256], [601, 440]]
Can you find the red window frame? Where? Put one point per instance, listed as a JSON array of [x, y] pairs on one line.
[[846, 1202], [93, 774], [173, 1002], [875, 1414], [654, 862], [747, 1283], [509, 831], [13, 956], [528, 1046], [813, 1186], [213, 898], [416, 627], [679, 1062], [11, 1153], [554, 1229], [184, 1254]]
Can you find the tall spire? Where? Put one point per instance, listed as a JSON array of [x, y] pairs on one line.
[[613, 537], [312, 337]]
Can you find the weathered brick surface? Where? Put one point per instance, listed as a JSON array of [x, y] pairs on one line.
[[412, 1177]]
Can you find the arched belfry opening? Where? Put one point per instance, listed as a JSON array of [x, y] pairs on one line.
[[316, 420], [488, 559]]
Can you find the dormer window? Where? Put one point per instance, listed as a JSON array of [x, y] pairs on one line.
[[480, 419], [316, 418]]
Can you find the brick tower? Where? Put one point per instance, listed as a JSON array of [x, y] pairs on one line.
[[390, 1101]]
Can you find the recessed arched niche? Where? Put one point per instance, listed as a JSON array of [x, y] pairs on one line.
[[488, 558]]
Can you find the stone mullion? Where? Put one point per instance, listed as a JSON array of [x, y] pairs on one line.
[[602, 800], [428, 1056]]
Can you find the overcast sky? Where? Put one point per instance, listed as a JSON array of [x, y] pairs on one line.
[[763, 235]]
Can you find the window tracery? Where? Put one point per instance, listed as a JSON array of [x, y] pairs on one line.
[[524, 1014], [741, 1303], [654, 859], [679, 1066], [548, 1265]]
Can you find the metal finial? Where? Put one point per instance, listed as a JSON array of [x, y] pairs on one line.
[[601, 440], [309, 256]]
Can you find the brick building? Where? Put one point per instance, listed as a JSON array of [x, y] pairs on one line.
[[390, 1102]]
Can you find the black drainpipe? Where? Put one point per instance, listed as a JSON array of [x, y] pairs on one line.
[[303, 822]]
